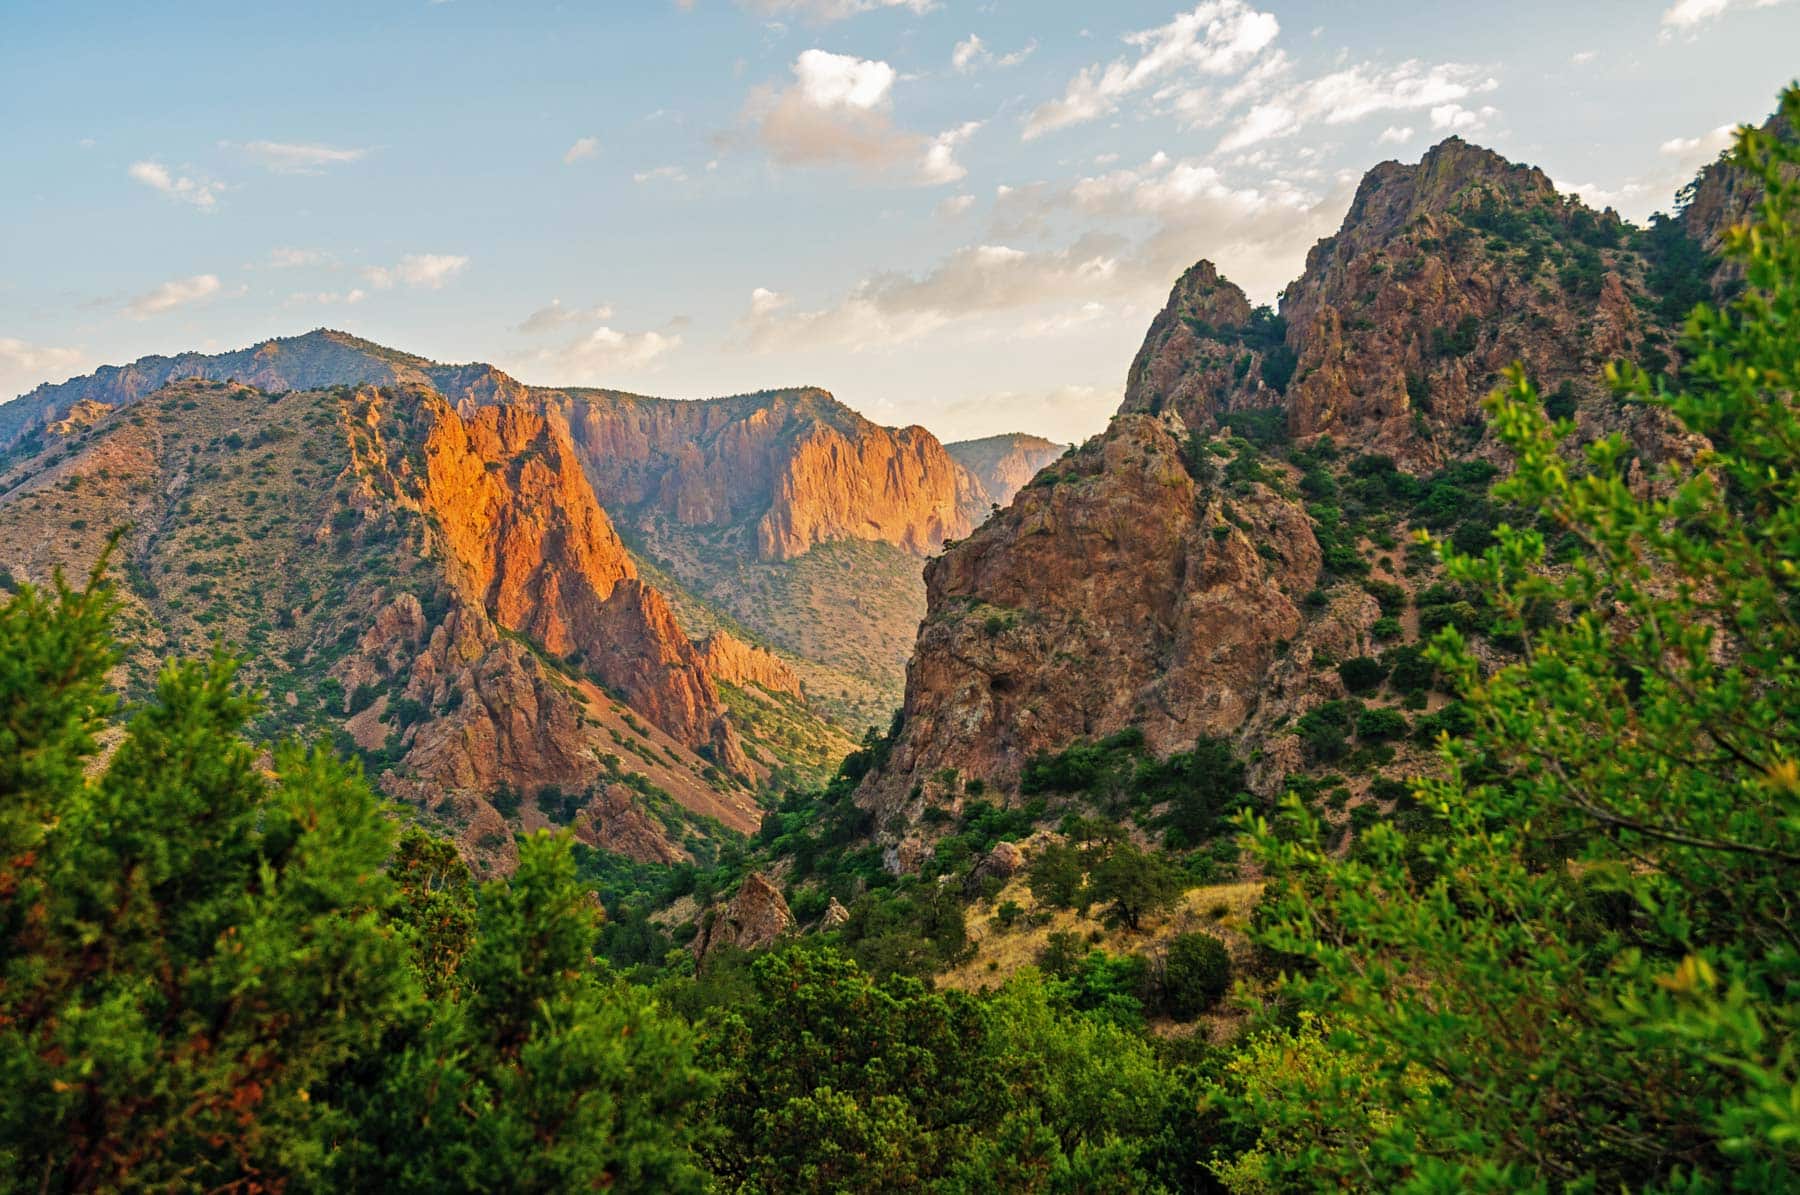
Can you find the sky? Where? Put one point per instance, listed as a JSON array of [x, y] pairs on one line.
[[956, 213]]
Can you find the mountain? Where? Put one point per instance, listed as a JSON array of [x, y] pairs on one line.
[[439, 589], [781, 516], [1230, 560], [1003, 464]]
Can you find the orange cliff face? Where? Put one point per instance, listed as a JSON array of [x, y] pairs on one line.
[[517, 514], [735, 662], [796, 467]]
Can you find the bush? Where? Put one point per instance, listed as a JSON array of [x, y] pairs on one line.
[[1325, 731], [1196, 975], [1361, 674], [1380, 724]]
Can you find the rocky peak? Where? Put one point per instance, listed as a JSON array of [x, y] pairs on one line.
[[1205, 353]]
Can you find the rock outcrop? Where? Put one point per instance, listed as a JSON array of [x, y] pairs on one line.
[[504, 489], [1170, 578], [756, 917], [735, 662], [1114, 592]]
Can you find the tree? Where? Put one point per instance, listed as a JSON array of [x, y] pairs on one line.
[[1196, 973], [213, 977], [1583, 972], [545, 1076], [191, 948], [1135, 883], [1055, 875], [838, 1081]]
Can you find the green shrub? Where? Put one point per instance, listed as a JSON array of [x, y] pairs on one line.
[[1196, 974], [1361, 674]]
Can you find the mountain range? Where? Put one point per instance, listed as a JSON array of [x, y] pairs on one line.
[[642, 617], [520, 605]]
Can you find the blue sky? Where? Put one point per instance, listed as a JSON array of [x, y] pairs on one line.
[[956, 214]]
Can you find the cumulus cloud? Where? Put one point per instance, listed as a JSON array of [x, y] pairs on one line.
[[955, 207], [1687, 15], [23, 365], [1257, 235], [422, 271], [1221, 38], [660, 174], [972, 54], [1706, 146], [1583, 57], [554, 315], [1454, 118], [1355, 92], [1638, 196], [293, 157], [200, 193], [584, 147], [1395, 135], [838, 111], [179, 292], [594, 357]]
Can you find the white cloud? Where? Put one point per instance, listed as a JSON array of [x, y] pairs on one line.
[[170, 295], [972, 54], [834, 10], [1455, 118], [1618, 196], [24, 365], [999, 290], [594, 358], [1356, 92], [287, 259], [838, 112], [1395, 135], [939, 164], [955, 207], [554, 315], [584, 147], [200, 193], [1689, 14], [1583, 57], [1702, 148], [422, 271], [290, 157], [660, 174], [1220, 37]]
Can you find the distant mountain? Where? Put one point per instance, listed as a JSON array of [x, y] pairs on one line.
[[498, 591], [781, 515], [1004, 463]]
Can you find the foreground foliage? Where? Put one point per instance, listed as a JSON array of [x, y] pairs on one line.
[[1584, 973]]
